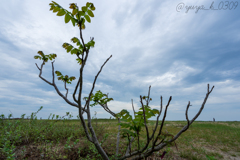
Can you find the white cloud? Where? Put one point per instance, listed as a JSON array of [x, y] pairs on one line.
[[177, 53]]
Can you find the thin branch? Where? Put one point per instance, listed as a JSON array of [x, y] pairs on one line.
[[94, 137], [162, 145], [160, 142], [41, 73], [148, 95], [75, 90], [132, 138], [84, 126], [145, 123], [76, 105], [54, 85], [187, 116], [81, 80], [149, 151], [118, 137], [160, 111], [83, 108], [87, 102], [79, 97], [129, 143], [159, 133], [81, 36], [105, 107], [196, 116], [66, 88], [87, 51], [133, 109]]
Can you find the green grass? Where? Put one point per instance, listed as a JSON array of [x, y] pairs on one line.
[[65, 139]]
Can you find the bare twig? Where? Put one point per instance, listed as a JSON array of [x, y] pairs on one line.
[[165, 113], [160, 111], [145, 123], [54, 85], [133, 109], [163, 144], [118, 137]]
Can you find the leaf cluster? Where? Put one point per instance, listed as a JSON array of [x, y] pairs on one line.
[[77, 16], [78, 51], [45, 57], [132, 126], [98, 98], [64, 79], [53, 56]]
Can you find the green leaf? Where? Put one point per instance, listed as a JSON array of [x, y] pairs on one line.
[[92, 7], [55, 3], [139, 112], [81, 13], [72, 78], [58, 73], [61, 12], [73, 21], [76, 40], [53, 55], [52, 7], [72, 6], [65, 45], [74, 51], [92, 43], [148, 116], [69, 48], [79, 61], [88, 18], [155, 111], [127, 131], [74, 11], [56, 9], [90, 13], [152, 113], [110, 99], [88, 4], [37, 57], [124, 125], [41, 53], [67, 18], [129, 119], [84, 9]]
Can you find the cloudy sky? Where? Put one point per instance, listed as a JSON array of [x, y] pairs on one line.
[[159, 43]]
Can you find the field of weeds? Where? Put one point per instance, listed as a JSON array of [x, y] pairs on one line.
[[65, 139]]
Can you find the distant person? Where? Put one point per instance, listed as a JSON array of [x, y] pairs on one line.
[[213, 119]]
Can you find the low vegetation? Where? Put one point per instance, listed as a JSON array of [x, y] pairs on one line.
[[64, 138]]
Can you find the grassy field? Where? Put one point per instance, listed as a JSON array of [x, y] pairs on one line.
[[65, 139]]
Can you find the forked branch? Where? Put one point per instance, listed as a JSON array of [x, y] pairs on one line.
[[56, 88], [143, 153]]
